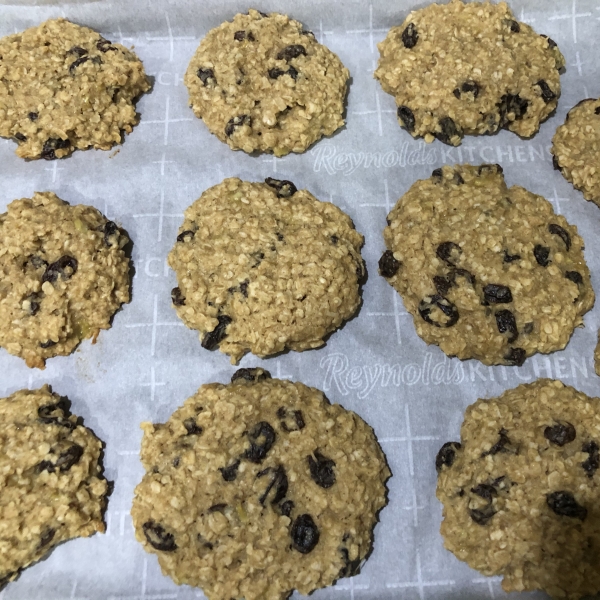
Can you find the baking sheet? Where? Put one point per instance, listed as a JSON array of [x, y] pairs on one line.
[[149, 363]]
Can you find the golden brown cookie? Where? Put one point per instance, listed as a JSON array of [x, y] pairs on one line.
[[263, 83], [64, 87], [259, 487]]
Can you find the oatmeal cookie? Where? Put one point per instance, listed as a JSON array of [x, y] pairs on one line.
[[463, 69], [65, 274], [576, 148], [262, 267], [486, 271], [259, 487], [51, 481], [263, 83], [520, 492], [64, 87]]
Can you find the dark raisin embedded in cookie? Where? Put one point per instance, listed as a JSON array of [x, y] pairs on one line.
[[177, 298], [52, 144], [283, 188], [110, 229], [305, 534], [449, 130], [186, 236], [191, 427], [547, 94], [512, 108], [407, 117], [574, 276], [158, 537], [207, 76], [278, 483], [449, 252], [515, 357], [388, 265], [292, 51], [564, 504], [497, 294], [262, 437], [410, 36], [290, 420], [230, 473], [321, 469], [255, 374], [446, 307], [502, 445], [508, 258], [555, 229], [213, 338], [237, 121], [592, 462], [560, 434], [446, 455], [542, 255], [506, 322], [65, 267]]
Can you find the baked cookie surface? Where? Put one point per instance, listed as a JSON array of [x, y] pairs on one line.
[[576, 148], [263, 83], [486, 271], [262, 267], [520, 492], [464, 69], [64, 87], [64, 276], [259, 487], [51, 481]]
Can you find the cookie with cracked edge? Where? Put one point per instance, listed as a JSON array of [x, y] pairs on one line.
[[262, 267], [64, 87], [52, 485], [259, 487], [575, 148], [486, 271], [65, 274], [520, 491], [461, 69], [263, 83]]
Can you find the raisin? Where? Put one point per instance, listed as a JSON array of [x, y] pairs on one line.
[[286, 508], [470, 86], [244, 288], [547, 94], [34, 304], [47, 344], [482, 515], [506, 321], [207, 76], [555, 163], [33, 116], [290, 52], [279, 481], [437, 174], [388, 265], [551, 42], [542, 255], [485, 491], [230, 473], [592, 462], [239, 36], [444, 305], [445, 251], [191, 427], [251, 375], [555, 229], [574, 276], [502, 445], [511, 104], [213, 338], [490, 168], [513, 25], [64, 462], [560, 434], [275, 73], [237, 122], [564, 504], [109, 230], [78, 50], [46, 537], [78, 62], [457, 178], [59, 268], [284, 188], [508, 258], [407, 117], [528, 328], [410, 36], [443, 284], [334, 239], [321, 469], [262, 438], [217, 507], [597, 110], [186, 236], [177, 297], [497, 294], [105, 45], [515, 357], [446, 455], [298, 420], [351, 567], [293, 73], [56, 414], [158, 538], [52, 144], [456, 92], [449, 130], [304, 533], [20, 137], [258, 258]]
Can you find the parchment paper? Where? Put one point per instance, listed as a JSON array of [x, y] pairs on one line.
[[149, 363]]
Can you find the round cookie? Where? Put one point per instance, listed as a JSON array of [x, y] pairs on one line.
[[466, 69], [576, 148], [64, 276], [64, 87], [259, 487], [52, 484], [263, 83], [486, 271], [262, 267], [520, 492]]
